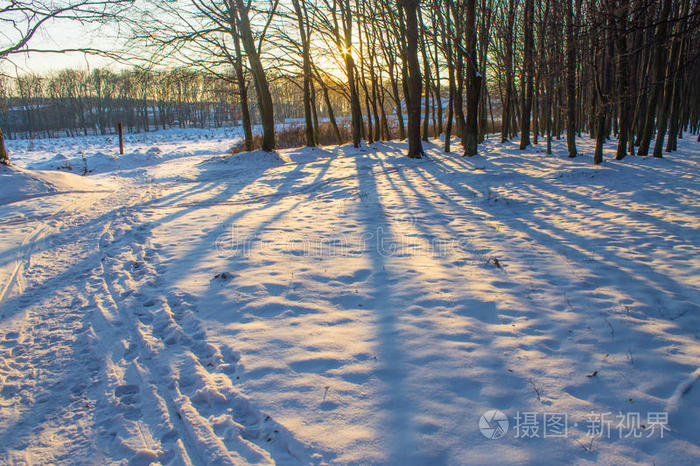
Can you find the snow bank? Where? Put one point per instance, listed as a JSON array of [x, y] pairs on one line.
[[17, 183], [244, 160]]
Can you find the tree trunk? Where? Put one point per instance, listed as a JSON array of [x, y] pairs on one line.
[[426, 76], [356, 112], [662, 118], [306, 59], [314, 112], [507, 113], [242, 85], [399, 110], [623, 81], [261, 86], [415, 147], [450, 112], [331, 114], [438, 96], [570, 80], [672, 72], [4, 158], [604, 53], [660, 59], [528, 71], [470, 132]]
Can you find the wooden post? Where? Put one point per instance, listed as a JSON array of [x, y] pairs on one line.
[[121, 139]]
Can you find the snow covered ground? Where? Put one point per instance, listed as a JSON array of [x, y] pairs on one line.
[[344, 305]]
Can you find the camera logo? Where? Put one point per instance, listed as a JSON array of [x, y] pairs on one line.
[[493, 424]]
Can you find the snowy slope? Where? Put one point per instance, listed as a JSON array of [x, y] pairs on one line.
[[346, 305], [17, 183]]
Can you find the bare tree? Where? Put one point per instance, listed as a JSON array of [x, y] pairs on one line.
[[261, 85], [303, 23], [571, 78], [20, 20], [474, 79], [526, 81], [415, 146]]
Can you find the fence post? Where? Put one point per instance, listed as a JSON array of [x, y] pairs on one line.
[[121, 139]]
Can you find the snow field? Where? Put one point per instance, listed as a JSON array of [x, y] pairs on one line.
[[346, 305]]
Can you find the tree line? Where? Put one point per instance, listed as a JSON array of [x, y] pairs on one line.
[[417, 69], [77, 102]]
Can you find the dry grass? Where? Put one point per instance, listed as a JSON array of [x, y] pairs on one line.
[[295, 136]]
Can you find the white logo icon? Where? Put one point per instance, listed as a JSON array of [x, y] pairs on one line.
[[493, 424]]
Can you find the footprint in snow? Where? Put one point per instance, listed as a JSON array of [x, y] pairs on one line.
[[129, 398]]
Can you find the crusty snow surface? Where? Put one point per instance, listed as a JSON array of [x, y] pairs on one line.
[[346, 306]]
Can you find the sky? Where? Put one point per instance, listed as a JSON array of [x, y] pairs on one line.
[[62, 35]]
